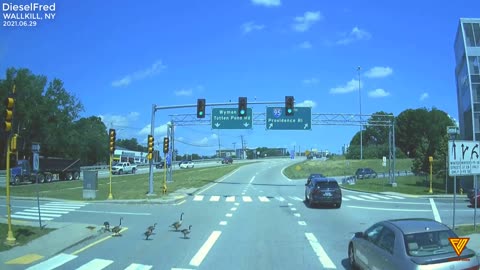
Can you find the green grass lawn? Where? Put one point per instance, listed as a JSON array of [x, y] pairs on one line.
[[466, 230], [127, 186], [405, 184], [337, 167], [23, 234]]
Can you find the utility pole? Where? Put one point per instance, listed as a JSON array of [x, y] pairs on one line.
[[219, 149], [361, 124], [234, 148], [243, 148]]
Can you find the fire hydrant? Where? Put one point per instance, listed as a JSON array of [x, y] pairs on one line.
[[461, 191]]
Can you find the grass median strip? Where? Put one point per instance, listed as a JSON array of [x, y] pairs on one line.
[[338, 167], [127, 187], [23, 234], [413, 185]]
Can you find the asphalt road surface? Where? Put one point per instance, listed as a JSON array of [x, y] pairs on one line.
[[253, 219]]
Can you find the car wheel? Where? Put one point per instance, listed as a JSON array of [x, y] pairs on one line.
[[310, 204], [133, 171], [351, 257], [338, 205]]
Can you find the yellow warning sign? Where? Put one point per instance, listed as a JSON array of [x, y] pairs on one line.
[[459, 244]]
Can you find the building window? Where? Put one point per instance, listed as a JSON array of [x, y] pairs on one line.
[[474, 64], [469, 36], [476, 31]]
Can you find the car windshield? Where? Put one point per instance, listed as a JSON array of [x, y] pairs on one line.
[[324, 184], [429, 243]]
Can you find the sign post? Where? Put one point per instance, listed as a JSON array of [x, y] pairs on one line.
[[430, 159], [36, 168]]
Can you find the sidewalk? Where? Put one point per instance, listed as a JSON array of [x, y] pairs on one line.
[[65, 236]]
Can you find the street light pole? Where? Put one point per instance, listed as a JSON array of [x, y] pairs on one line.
[[361, 125]]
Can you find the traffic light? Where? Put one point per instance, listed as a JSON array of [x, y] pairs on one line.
[[165, 145], [13, 143], [9, 103], [150, 146], [201, 108], [242, 106], [289, 101], [112, 135]]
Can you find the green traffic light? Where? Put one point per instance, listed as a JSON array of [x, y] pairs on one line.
[[242, 112], [201, 113], [289, 110]]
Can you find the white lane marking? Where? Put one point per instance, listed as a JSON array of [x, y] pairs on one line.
[[321, 254], [53, 262], [95, 264], [181, 269], [45, 211], [263, 199], [368, 197], [29, 217], [289, 204], [295, 198], [198, 198], [251, 180], [214, 198], [58, 208], [221, 180], [345, 199], [302, 223], [115, 213], [381, 197], [233, 209], [228, 215], [203, 251], [293, 209], [280, 199], [243, 193], [237, 204], [223, 223], [136, 266], [389, 209], [247, 199], [230, 198], [435, 210], [297, 214], [355, 198], [396, 197], [36, 214], [66, 204]]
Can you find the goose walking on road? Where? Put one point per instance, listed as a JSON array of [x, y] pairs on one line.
[[178, 224], [116, 230], [186, 231]]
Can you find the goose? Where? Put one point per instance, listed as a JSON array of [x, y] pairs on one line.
[[148, 233], [177, 224], [116, 229], [151, 228], [186, 231]]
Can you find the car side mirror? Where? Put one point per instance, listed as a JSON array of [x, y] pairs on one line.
[[359, 234]]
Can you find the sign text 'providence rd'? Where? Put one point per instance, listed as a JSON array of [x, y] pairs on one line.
[[277, 120], [227, 118], [463, 158]]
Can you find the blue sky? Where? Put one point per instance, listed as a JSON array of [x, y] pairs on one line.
[[120, 57]]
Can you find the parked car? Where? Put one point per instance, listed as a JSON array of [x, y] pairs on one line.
[[186, 164], [404, 244], [365, 173], [227, 160], [160, 165], [472, 200], [321, 190]]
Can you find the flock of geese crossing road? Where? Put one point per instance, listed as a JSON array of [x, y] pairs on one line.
[[265, 199], [176, 225]]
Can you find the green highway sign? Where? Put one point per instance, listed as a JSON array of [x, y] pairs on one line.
[[276, 119], [227, 118]]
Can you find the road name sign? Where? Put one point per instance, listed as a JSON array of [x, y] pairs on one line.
[[227, 118], [463, 158], [276, 119]]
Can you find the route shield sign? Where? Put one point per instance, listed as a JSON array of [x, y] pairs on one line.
[[227, 118], [277, 120], [463, 158]]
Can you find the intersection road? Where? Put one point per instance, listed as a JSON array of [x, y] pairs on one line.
[[254, 218]]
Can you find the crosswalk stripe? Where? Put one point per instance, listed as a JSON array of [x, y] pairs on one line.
[[230, 199], [53, 262], [36, 214], [295, 198], [396, 197], [381, 197], [263, 199], [345, 199], [214, 198], [280, 199], [369, 197], [198, 198], [135, 266], [66, 204], [29, 217], [58, 208], [96, 264], [43, 210], [247, 199], [355, 198]]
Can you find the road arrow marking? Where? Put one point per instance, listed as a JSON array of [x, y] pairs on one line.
[[246, 124], [271, 125], [473, 151], [217, 125], [464, 150], [454, 151], [305, 127]]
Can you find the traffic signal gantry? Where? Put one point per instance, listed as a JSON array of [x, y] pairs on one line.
[[150, 147]]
